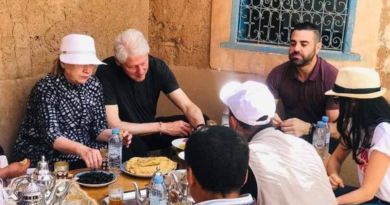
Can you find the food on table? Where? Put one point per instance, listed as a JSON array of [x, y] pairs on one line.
[[147, 166], [182, 146], [95, 178], [24, 162], [121, 134]]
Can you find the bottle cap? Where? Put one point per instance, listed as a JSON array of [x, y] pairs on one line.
[[320, 124], [115, 131], [325, 118], [158, 179]]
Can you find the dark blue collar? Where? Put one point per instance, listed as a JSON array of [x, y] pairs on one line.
[[262, 127]]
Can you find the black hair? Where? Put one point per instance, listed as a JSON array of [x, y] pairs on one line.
[[307, 26], [218, 157], [357, 119], [245, 126]]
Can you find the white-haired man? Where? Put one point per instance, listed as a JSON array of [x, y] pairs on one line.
[[283, 168], [132, 81]]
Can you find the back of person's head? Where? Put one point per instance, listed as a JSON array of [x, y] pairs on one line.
[[130, 43], [250, 103], [218, 157], [307, 26]]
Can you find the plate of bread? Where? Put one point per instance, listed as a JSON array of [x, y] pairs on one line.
[[145, 167]]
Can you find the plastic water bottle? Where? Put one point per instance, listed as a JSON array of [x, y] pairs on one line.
[[159, 194], [115, 152], [319, 139], [325, 119], [225, 117]]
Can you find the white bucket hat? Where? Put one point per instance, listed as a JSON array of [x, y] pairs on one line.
[[356, 82], [78, 49], [249, 102]]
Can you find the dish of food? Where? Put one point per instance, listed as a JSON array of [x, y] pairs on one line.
[[95, 178], [145, 167], [180, 143], [181, 155]]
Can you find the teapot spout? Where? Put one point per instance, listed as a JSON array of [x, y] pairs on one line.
[[138, 197], [52, 197]]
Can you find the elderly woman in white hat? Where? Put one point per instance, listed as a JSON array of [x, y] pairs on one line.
[[66, 118], [364, 126]]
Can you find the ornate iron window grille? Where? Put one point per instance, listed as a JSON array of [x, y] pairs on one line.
[[271, 21]]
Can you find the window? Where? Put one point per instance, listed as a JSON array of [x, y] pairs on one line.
[[266, 25]]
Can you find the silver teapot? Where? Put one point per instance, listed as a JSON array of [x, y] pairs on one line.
[[40, 187], [43, 176], [31, 193]]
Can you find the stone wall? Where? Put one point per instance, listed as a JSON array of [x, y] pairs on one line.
[[30, 33], [383, 57]]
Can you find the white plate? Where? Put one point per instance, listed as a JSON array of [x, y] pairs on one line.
[[177, 142], [181, 155], [95, 185]]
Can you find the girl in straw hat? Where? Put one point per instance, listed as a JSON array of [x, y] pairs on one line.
[[66, 118], [364, 126]]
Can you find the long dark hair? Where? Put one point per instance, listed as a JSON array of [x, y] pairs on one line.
[[356, 120]]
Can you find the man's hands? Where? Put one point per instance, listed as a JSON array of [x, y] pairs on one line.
[[336, 181], [177, 128], [296, 127], [292, 126], [276, 121]]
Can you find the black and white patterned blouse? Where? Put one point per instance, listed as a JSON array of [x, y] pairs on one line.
[[58, 108]]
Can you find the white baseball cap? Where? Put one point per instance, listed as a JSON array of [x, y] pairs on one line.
[[78, 49], [249, 102]]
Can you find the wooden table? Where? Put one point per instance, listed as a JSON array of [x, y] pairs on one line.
[[99, 193]]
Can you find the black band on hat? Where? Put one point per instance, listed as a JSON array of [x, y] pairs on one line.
[[339, 89]]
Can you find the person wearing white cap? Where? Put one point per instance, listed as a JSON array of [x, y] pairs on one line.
[[132, 82], [280, 170], [364, 125], [65, 118]]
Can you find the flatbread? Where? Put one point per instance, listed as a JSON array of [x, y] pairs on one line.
[[147, 166]]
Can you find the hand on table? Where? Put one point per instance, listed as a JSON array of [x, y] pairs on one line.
[[336, 181], [296, 127], [177, 128], [91, 157]]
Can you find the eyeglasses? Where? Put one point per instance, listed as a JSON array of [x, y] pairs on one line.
[[336, 100]]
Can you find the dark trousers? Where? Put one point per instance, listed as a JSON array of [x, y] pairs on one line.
[[347, 189]]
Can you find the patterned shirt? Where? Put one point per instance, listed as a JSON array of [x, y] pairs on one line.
[[57, 108]]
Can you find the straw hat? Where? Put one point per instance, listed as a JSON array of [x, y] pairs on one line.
[[78, 49], [356, 82]]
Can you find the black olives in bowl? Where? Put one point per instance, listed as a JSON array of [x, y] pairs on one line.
[[95, 178]]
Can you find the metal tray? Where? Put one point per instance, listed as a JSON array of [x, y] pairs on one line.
[[128, 198]]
